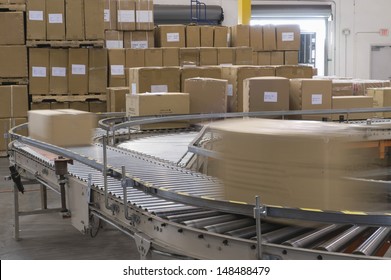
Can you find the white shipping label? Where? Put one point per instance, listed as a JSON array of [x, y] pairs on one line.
[[78, 69], [139, 44], [36, 15], [114, 44], [126, 16], [39, 72], [106, 15], [288, 36], [144, 16], [270, 97], [159, 88], [316, 99], [230, 90], [172, 37], [55, 18], [59, 71], [134, 88], [117, 70]]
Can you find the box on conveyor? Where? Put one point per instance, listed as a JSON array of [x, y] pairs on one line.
[[381, 99], [12, 21], [144, 15], [13, 101], [154, 79], [13, 62], [116, 99], [201, 72], [171, 36], [126, 15], [352, 102]]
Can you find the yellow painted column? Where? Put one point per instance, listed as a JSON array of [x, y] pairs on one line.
[[244, 11]]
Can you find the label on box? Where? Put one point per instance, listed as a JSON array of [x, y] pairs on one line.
[[134, 88], [59, 71], [39, 72], [139, 44], [36, 15], [106, 15], [126, 16], [144, 16], [55, 18], [117, 70], [159, 88], [316, 99], [78, 69], [172, 37], [288, 36], [270, 97], [114, 44], [230, 90]]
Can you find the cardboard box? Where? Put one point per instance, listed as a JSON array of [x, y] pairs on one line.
[[116, 99], [74, 14], [153, 58], [225, 56], [221, 37], [277, 58], [40, 106], [208, 56], [170, 56], [255, 58], [193, 36], [154, 79], [352, 102], [116, 69], [189, 57], [291, 57], [243, 56], [206, 33], [55, 19], [171, 36], [309, 94], [114, 39], [294, 72], [13, 101], [59, 105], [97, 106], [13, 62], [97, 74], [269, 38], [266, 94], [288, 37], [94, 25], [240, 36], [207, 95], [235, 76], [36, 20], [144, 15], [360, 87], [58, 71], [39, 71], [135, 58], [110, 15], [78, 71], [139, 39], [264, 58], [152, 104], [126, 15], [201, 72], [81, 106], [12, 21], [12, 1], [381, 99], [64, 128], [342, 87], [256, 37]]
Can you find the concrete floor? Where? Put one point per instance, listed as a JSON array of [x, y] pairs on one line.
[[50, 237]]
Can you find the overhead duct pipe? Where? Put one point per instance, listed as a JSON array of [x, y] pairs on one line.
[[180, 14]]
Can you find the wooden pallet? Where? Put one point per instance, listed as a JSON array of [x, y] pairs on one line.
[[65, 44], [12, 7], [14, 81], [68, 98]]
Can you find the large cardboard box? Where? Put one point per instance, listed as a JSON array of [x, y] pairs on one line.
[[288, 37], [269, 38], [135, 58], [352, 102], [114, 39], [277, 58], [153, 57], [295, 71], [78, 71], [206, 33], [189, 57], [13, 62], [144, 15], [152, 104], [13, 102], [116, 69], [243, 56], [36, 20], [201, 72], [207, 95], [193, 36], [110, 15], [256, 37], [264, 58], [310, 94], [170, 56], [381, 99], [58, 73], [240, 36], [291, 57], [116, 99], [225, 56], [97, 73], [139, 39], [97, 106], [235, 76], [126, 15], [55, 20], [94, 25], [12, 21], [171, 36], [74, 14], [342, 87], [39, 70], [154, 79], [62, 128], [208, 56], [221, 37], [360, 87]]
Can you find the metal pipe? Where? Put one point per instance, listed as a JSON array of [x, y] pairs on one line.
[[339, 241], [200, 223], [105, 173], [258, 226], [93, 212], [16, 213], [63, 198], [369, 247], [124, 182], [246, 232], [282, 234], [228, 226], [191, 216], [47, 185]]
